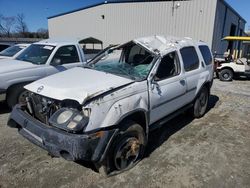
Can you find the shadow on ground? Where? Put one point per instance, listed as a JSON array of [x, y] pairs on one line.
[[4, 108], [162, 134], [242, 78]]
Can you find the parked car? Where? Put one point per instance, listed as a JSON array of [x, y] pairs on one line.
[[13, 51], [104, 112], [228, 68], [36, 61], [3, 46]]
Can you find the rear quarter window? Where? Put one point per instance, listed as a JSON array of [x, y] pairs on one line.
[[190, 58], [206, 54]]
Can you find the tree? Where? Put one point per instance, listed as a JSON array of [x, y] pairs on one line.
[[6, 24], [21, 26], [42, 33]]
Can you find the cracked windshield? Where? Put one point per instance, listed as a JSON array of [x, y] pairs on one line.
[[130, 61]]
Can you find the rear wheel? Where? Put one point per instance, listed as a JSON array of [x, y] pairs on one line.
[[200, 104], [126, 150], [226, 75], [16, 95]]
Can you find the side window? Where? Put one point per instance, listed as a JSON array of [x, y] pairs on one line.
[[169, 67], [66, 54], [190, 58], [206, 54]]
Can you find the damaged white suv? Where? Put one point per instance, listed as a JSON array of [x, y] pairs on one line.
[[103, 112]]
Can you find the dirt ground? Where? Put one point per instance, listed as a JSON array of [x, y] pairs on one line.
[[213, 151]]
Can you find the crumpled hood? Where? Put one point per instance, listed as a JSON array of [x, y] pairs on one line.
[[12, 65], [77, 84]]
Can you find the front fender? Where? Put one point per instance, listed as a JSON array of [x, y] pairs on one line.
[[124, 107]]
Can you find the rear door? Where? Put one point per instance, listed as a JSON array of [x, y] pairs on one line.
[[193, 67], [167, 90], [207, 59]]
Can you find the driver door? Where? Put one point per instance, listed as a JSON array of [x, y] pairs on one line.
[[168, 88], [66, 57]]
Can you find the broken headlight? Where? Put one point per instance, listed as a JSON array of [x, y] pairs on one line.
[[68, 119]]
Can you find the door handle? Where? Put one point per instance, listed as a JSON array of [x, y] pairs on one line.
[[183, 82]]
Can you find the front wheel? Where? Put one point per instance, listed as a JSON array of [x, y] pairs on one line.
[[125, 151], [16, 95]]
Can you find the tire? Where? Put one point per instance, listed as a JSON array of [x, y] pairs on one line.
[[126, 150], [200, 104], [226, 75], [16, 95]]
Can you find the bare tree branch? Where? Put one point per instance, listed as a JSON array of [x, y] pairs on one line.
[[21, 26], [42, 33], [6, 24]]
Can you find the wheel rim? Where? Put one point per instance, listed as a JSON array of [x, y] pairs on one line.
[[127, 153], [226, 76], [22, 97]]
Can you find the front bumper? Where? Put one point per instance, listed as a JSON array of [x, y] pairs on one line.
[[59, 143], [2, 94]]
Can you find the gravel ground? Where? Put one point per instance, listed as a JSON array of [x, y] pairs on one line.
[[213, 151]]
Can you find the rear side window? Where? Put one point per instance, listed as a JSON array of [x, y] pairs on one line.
[[190, 58], [206, 54]]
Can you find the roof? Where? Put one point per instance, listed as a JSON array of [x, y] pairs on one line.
[[90, 40], [108, 2], [57, 41], [22, 44], [134, 1], [232, 9], [161, 44]]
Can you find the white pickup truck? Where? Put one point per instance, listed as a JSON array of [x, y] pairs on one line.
[[39, 60]]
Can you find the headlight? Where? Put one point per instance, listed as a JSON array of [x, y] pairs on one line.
[[64, 117], [69, 119]]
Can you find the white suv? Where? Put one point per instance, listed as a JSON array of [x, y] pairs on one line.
[[103, 112]]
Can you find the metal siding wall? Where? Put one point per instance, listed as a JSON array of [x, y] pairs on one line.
[[221, 46], [125, 21], [78, 24]]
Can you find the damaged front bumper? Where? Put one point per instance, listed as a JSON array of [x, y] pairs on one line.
[[74, 147]]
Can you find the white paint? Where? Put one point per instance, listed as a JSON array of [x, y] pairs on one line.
[[78, 84]]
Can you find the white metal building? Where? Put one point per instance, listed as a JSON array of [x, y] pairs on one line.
[[115, 22]]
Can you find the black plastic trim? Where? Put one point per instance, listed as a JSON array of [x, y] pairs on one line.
[[167, 118], [77, 146]]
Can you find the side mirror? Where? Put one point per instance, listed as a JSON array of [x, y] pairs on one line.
[[56, 62]]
